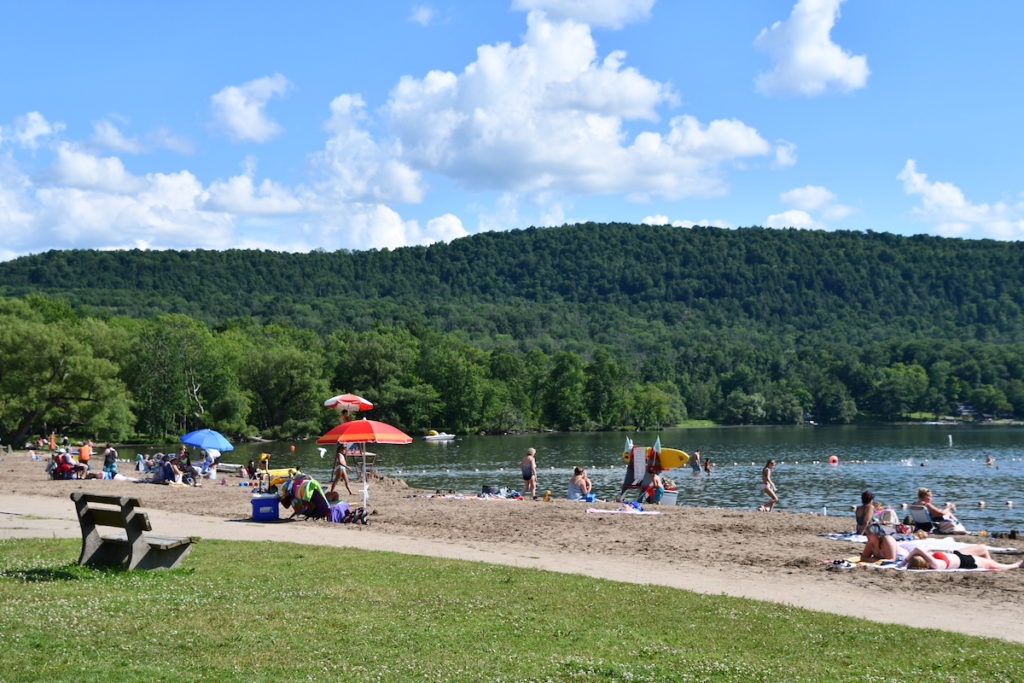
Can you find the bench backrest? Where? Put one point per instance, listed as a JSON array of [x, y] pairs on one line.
[[114, 511]]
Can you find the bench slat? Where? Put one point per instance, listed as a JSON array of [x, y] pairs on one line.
[[105, 499], [159, 542], [104, 517]]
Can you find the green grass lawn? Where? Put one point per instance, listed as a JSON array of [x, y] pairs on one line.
[[283, 612]]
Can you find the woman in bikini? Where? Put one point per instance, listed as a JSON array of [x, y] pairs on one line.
[[768, 486], [971, 557]]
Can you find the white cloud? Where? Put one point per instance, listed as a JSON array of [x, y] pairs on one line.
[[662, 219], [107, 135], [793, 218], [240, 109], [241, 195], [30, 127], [78, 169], [166, 139], [807, 199], [16, 215], [423, 15], [608, 13], [785, 154], [547, 115], [165, 212], [945, 205], [358, 168], [807, 62], [442, 229]]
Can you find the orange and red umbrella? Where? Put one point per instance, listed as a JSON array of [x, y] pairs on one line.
[[365, 431]]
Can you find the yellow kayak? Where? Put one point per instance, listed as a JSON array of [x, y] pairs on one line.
[[668, 459]]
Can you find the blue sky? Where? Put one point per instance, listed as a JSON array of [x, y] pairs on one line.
[[355, 125]]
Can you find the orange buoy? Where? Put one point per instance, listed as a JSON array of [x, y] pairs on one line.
[[292, 447], [833, 460]]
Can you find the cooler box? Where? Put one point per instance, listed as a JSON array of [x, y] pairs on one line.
[[669, 497], [264, 507]]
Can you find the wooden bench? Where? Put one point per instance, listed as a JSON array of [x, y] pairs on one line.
[[130, 546]]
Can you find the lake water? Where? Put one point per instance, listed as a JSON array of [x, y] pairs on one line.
[[892, 461]]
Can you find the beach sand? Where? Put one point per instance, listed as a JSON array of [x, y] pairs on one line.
[[769, 556]]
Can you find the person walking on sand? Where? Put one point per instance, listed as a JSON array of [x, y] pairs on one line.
[[340, 469], [768, 486], [529, 467]]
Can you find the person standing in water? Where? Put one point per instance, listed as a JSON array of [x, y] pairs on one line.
[[768, 487], [695, 462], [529, 467]]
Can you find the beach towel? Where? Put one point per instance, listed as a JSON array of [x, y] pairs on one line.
[[620, 511]]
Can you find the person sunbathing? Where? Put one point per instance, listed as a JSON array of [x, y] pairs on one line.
[[970, 557], [880, 547]]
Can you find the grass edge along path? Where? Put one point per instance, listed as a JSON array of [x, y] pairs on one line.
[[279, 611]]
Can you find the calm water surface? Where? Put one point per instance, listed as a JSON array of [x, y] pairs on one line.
[[892, 461]]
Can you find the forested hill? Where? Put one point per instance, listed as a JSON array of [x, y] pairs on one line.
[[575, 284]]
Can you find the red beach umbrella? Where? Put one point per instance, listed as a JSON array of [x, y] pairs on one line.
[[365, 431], [349, 402]]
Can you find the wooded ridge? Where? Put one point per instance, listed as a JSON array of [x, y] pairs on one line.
[[747, 325]]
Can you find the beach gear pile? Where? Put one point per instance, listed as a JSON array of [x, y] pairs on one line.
[[306, 497]]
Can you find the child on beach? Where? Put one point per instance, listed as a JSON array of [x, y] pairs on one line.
[[768, 487]]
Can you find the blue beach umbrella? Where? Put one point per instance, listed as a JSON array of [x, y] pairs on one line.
[[207, 438]]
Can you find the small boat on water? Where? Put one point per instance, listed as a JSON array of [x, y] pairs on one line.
[[434, 435]]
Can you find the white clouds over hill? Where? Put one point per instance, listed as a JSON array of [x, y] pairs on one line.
[[549, 115], [548, 119]]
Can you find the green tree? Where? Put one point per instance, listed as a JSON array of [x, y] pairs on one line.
[[652, 406], [51, 380], [563, 404], [743, 408], [457, 373], [835, 405], [604, 393], [899, 389], [288, 387]]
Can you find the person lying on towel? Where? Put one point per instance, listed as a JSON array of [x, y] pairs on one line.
[[971, 557]]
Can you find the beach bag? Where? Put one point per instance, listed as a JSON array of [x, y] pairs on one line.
[[887, 517], [951, 526]]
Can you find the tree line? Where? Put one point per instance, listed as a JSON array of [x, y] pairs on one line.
[[159, 377]]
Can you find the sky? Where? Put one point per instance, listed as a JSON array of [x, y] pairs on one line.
[[346, 124]]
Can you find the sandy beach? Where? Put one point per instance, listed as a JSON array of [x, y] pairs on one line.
[[770, 556]]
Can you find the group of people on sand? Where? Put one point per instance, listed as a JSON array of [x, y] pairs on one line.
[[179, 469], [63, 465], [580, 487], [873, 521]]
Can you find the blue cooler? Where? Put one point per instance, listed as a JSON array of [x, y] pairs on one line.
[[265, 507]]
